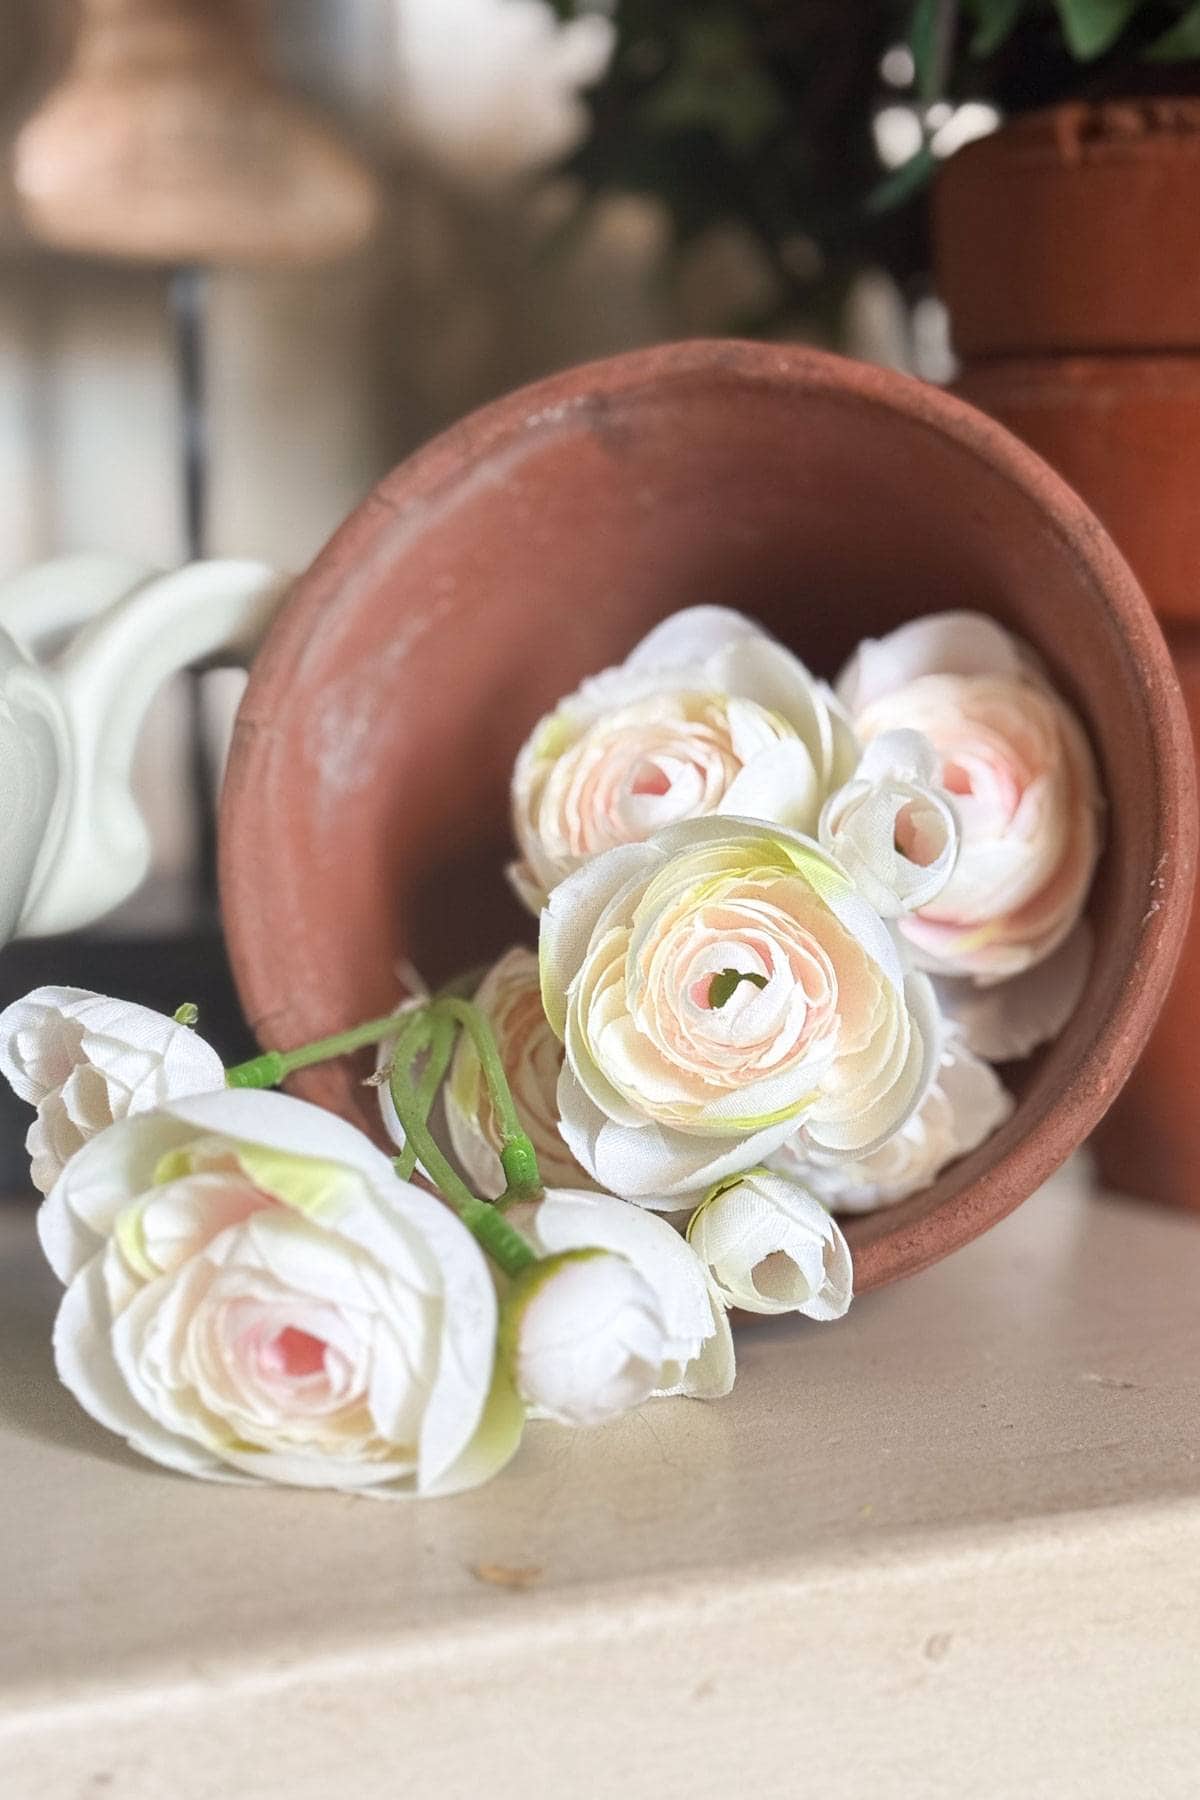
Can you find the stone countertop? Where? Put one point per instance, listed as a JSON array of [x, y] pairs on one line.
[[947, 1549]]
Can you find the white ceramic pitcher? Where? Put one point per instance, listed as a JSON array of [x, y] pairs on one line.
[[86, 642]]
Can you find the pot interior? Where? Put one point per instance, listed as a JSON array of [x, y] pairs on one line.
[[366, 813]]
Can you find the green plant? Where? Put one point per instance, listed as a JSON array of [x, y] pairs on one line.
[[763, 111]]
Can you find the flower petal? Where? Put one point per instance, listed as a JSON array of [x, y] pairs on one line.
[[780, 784], [651, 1163], [572, 913], [1004, 1021], [691, 636], [86, 1366], [949, 643]]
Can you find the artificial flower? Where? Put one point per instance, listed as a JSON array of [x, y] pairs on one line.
[[585, 1337], [84, 1060], [510, 997], [891, 827], [965, 1103], [718, 989], [707, 715], [594, 1340], [1022, 778], [770, 1247], [254, 1293]]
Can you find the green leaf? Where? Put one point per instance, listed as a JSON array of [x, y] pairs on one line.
[[1181, 43], [720, 84], [994, 23], [722, 987], [1093, 26], [902, 184]]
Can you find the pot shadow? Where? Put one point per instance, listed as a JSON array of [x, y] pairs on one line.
[[33, 1402]]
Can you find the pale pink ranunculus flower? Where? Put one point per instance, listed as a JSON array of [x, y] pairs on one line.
[[510, 996], [254, 1294], [717, 989], [707, 715], [1020, 774]]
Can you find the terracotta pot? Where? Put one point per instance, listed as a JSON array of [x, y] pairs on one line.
[[1075, 229], [1066, 246], [364, 816], [1125, 431], [1149, 1143]]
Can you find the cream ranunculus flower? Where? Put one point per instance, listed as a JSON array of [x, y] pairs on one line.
[[1022, 778], [84, 1060], [965, 1103], [770, 1247], [718, 989], [707, 715], [595, 1340], [891, 827], [254, 1293], [510, 995]]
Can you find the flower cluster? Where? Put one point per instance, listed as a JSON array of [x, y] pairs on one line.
[[785, 931]]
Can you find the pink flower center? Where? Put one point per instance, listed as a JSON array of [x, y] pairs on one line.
[[650, 778], [293, 1354]]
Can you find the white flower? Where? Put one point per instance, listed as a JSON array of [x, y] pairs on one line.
[[596, 1336], [585, 1336], [510, 996], [770, 1247], [965, 1104], [84, 1060], [717, 989], [891, 827], [707, 715], [1022, 777], [253, 1293]]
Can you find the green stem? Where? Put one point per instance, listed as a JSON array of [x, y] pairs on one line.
[[518, 1158], [502, 1241], [275, 1066], [441, 1048]]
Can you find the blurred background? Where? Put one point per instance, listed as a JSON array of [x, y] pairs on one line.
[[251, 254]]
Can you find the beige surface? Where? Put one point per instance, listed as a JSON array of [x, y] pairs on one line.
[[950, 1547]]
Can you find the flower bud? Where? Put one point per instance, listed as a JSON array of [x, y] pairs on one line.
[[584, 1337], [892, 827], [770, 1247]]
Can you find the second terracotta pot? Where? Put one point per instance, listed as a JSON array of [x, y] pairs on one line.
[[1068, 251]]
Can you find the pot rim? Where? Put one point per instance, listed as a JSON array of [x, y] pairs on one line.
[[247, 849]]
